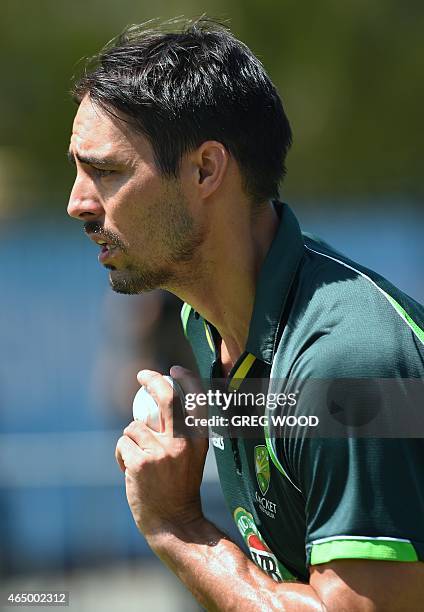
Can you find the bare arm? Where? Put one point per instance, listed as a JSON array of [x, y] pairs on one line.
[[220, 575]]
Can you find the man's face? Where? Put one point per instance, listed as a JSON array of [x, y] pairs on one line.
[[141, 220]]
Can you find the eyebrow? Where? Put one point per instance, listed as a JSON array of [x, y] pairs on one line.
[[91, 160]]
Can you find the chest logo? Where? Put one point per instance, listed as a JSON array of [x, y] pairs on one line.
[[262, 470]]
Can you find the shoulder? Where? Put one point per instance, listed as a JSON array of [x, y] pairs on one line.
[[346, 320]]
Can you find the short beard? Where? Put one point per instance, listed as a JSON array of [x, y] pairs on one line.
[[132, 281], [180, 239]]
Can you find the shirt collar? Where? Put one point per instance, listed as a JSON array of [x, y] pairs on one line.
[[275, 280]]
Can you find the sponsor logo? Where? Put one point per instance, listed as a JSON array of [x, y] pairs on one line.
[[260, 553], [217, 440]]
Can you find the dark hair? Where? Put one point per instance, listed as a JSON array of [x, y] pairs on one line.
[[184, 83]]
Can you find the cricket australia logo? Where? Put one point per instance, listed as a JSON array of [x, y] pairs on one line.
[[263, 476], [262, 468]]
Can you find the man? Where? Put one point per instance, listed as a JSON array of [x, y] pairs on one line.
[[179, 143]]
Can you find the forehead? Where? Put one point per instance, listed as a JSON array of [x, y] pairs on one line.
[[99, 133]]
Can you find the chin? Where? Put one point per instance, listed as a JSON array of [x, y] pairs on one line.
[[122, 284], [131, 283]]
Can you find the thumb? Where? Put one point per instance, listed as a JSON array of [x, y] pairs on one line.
[[192, 386], [188, 380]]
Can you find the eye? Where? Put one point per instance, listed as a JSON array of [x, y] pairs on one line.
[[101, 172]]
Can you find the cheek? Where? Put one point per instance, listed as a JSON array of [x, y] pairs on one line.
[[135, 208], [122, 204], [135, 192], [133, 220]]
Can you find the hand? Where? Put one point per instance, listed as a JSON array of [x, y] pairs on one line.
[[162, 473]]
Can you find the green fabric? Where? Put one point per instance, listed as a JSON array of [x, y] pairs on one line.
[[382, 550], [185, 313], [285, 254], [273, 455], [419, 332]]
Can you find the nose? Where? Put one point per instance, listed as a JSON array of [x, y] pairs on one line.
[[84, 203]]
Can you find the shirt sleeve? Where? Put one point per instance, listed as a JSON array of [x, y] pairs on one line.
[[363, 495], [364, 498]]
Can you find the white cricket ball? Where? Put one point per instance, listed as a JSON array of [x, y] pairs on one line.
[[146, 409]]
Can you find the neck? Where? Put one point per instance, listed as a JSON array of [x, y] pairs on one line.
[[233, 254]]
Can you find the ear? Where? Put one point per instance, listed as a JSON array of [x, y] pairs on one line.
[[210, 162]]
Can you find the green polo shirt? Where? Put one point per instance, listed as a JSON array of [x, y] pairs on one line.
[[299, 500]]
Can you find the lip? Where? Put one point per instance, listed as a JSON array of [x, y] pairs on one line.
[[108, 250]]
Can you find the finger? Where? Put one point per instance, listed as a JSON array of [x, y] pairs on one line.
[[163, 393], [145, 377], [143, 436], [128, 454], [119, 458], [159, 388]]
